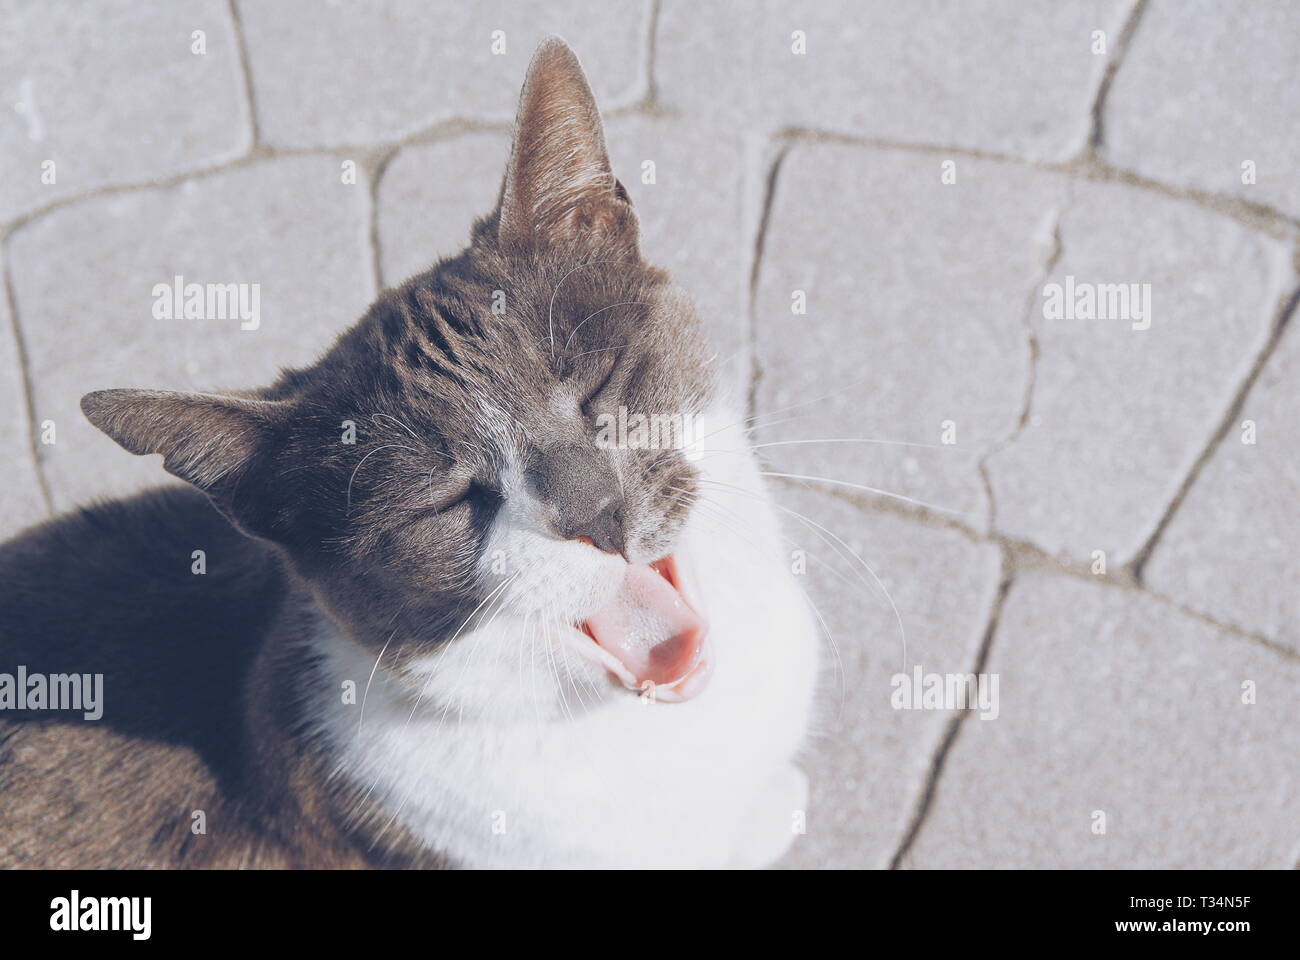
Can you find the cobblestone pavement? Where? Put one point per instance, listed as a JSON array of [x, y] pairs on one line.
[[873, 205]]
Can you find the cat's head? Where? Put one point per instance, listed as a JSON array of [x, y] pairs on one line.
[[460, 480]]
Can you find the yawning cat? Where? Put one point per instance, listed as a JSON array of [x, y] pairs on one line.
[[441, 623]]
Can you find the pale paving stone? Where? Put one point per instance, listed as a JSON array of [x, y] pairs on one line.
[[288, 225], [340, 73], [1111, 701], [1206, 86], [1230, 550], [868, 762], [999, 76], [1119, 415], [21, 503], [113, 94], [691, 217], [916, 295], [430, 195]]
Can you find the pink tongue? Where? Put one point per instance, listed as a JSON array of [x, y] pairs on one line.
[[650, 628]]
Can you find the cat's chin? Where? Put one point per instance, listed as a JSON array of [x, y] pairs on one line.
[[650, 635]]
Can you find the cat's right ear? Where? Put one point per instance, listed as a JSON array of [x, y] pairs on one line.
[[217, 443], [559, 188]]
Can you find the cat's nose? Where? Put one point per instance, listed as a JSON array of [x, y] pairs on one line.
[[604, 531], [581, 491]]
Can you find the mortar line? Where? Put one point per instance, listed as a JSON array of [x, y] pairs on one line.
[[1048, 264], [376, 165], [441, 131], [755, 271], [1028, 557], [1283, 311], [651, 97], [1250, 213], [939, 759], [246, 72], [1118, 56], [1237, 633], [28, 384]]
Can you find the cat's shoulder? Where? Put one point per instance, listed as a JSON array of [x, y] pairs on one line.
[[125, 563], [157, 593], [156, 607]]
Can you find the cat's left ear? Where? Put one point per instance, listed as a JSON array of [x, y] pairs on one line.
[[559, 187], [220, 444]]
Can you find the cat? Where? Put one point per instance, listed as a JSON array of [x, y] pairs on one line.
[[439, 624]]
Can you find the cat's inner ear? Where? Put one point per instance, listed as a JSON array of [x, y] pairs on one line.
[[559, 187], [214, 442]]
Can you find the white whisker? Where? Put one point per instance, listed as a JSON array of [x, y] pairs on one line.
[[624, 303], [812, 523], [867, 489], [367, 457], [892, 443], [550, 308]]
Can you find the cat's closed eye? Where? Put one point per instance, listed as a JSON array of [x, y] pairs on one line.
[[481, 497], [600, 383]]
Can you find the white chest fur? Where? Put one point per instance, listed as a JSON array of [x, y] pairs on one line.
[[625, 783]]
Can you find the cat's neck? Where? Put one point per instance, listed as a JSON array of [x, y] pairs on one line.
[[290, 769]]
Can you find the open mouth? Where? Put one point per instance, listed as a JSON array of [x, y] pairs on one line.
[[649, 634]]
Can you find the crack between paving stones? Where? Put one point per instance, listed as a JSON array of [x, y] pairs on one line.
[[1048, 264], [755, 272], [246, 73], [1283, 312], [939, 760], [1250, 213], [1231, 630], [1118, 55], [28, 383], [1027, 557], [441, 131], [376, 165], [650, 98], [1254, 215]]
